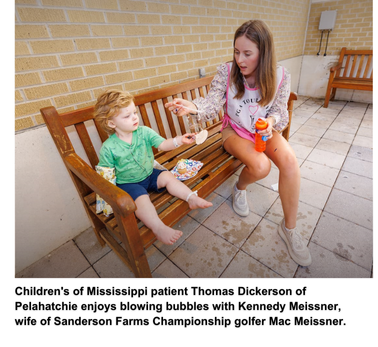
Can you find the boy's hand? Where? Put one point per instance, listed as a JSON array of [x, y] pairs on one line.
[[187, 139]]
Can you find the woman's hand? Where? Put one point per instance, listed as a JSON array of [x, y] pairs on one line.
[[180, 107], [268, 132], [187, 139]]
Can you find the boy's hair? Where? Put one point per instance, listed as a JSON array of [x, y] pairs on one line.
[[259, 33], [108, 105]]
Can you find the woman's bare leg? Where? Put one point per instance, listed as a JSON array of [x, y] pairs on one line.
[[283, 156], [257, 165]]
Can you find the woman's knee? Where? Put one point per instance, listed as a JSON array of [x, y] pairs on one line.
[[288, 163], [259, 168]]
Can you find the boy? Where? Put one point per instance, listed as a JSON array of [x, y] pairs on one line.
[[129, 151]]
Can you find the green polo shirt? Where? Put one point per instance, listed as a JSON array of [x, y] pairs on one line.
[[133, 163]]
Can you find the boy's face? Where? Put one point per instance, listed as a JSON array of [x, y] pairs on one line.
[[126, 121]]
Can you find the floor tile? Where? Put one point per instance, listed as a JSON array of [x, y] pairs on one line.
[[362, 153], [111, 266], [319, 123], [337, 147], [267, 247], [344, 128], [313, 193], [350, 207], [187, 225], [355, 184], [89, 245], [319, 173], [307, 217], [367, 123], [347, 239], [338, 136], [351, 120], [311, 130], [305, 140], [54, 265], [299, 119], [326, 264], [366, 132], [363, 141], [244, 266], [89, 273], [225, 189], [300, 150], [326, 158], [203, 254], [260, 198], [358, 167], [226, 223], [168, 270], [271, 179], [201, 214], [328, 112]]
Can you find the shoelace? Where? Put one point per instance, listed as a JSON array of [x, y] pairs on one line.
[[240, 195], [297, 240]]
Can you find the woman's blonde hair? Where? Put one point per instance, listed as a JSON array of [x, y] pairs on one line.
[[108, 105], [259, 33]]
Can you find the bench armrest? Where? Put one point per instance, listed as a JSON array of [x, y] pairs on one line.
[[336, 67], [119, 200]]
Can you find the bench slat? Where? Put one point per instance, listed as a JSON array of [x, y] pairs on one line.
[[158, 119], [87, 144]]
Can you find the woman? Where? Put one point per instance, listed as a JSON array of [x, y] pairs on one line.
[[253, 86]]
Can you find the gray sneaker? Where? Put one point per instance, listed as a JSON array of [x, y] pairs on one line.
[[239, 202], [294, 243]]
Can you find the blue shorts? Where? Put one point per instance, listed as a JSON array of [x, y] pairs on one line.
[[135, 190]]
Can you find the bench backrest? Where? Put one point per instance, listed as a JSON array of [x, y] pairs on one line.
[[356, 64], [80, 124], [151, 108]]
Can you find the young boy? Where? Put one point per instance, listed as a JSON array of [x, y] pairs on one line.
[[129, 150]]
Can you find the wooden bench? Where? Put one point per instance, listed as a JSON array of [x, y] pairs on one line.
[[354, 70], [120, 230]]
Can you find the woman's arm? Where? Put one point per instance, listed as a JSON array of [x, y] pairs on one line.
[[278, 110], [208, 107]]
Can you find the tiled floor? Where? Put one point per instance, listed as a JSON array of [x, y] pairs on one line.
[[334, 151]]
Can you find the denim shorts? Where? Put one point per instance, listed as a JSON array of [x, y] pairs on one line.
[[135, 190]]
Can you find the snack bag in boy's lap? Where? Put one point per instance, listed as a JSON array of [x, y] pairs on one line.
[[101, 205], [186, 168]]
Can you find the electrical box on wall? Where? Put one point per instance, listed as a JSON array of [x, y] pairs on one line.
[[327, 20]]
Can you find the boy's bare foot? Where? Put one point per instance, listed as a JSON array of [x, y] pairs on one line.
[[167, 235], [197, 202]]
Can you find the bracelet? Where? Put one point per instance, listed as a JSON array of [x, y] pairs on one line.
[[175, 143]]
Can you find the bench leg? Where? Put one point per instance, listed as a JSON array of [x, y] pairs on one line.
[[328, 95], [333, 93], [132, 242], [83, 191]]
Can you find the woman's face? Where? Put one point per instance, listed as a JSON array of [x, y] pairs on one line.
[[246, 56]]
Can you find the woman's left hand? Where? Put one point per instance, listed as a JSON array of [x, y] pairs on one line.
[[268, 132]]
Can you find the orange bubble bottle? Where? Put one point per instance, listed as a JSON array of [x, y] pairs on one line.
[[260, 141]]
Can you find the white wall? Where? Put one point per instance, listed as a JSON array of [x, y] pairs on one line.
[[314, 80], [48, 209], [294, 67]]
